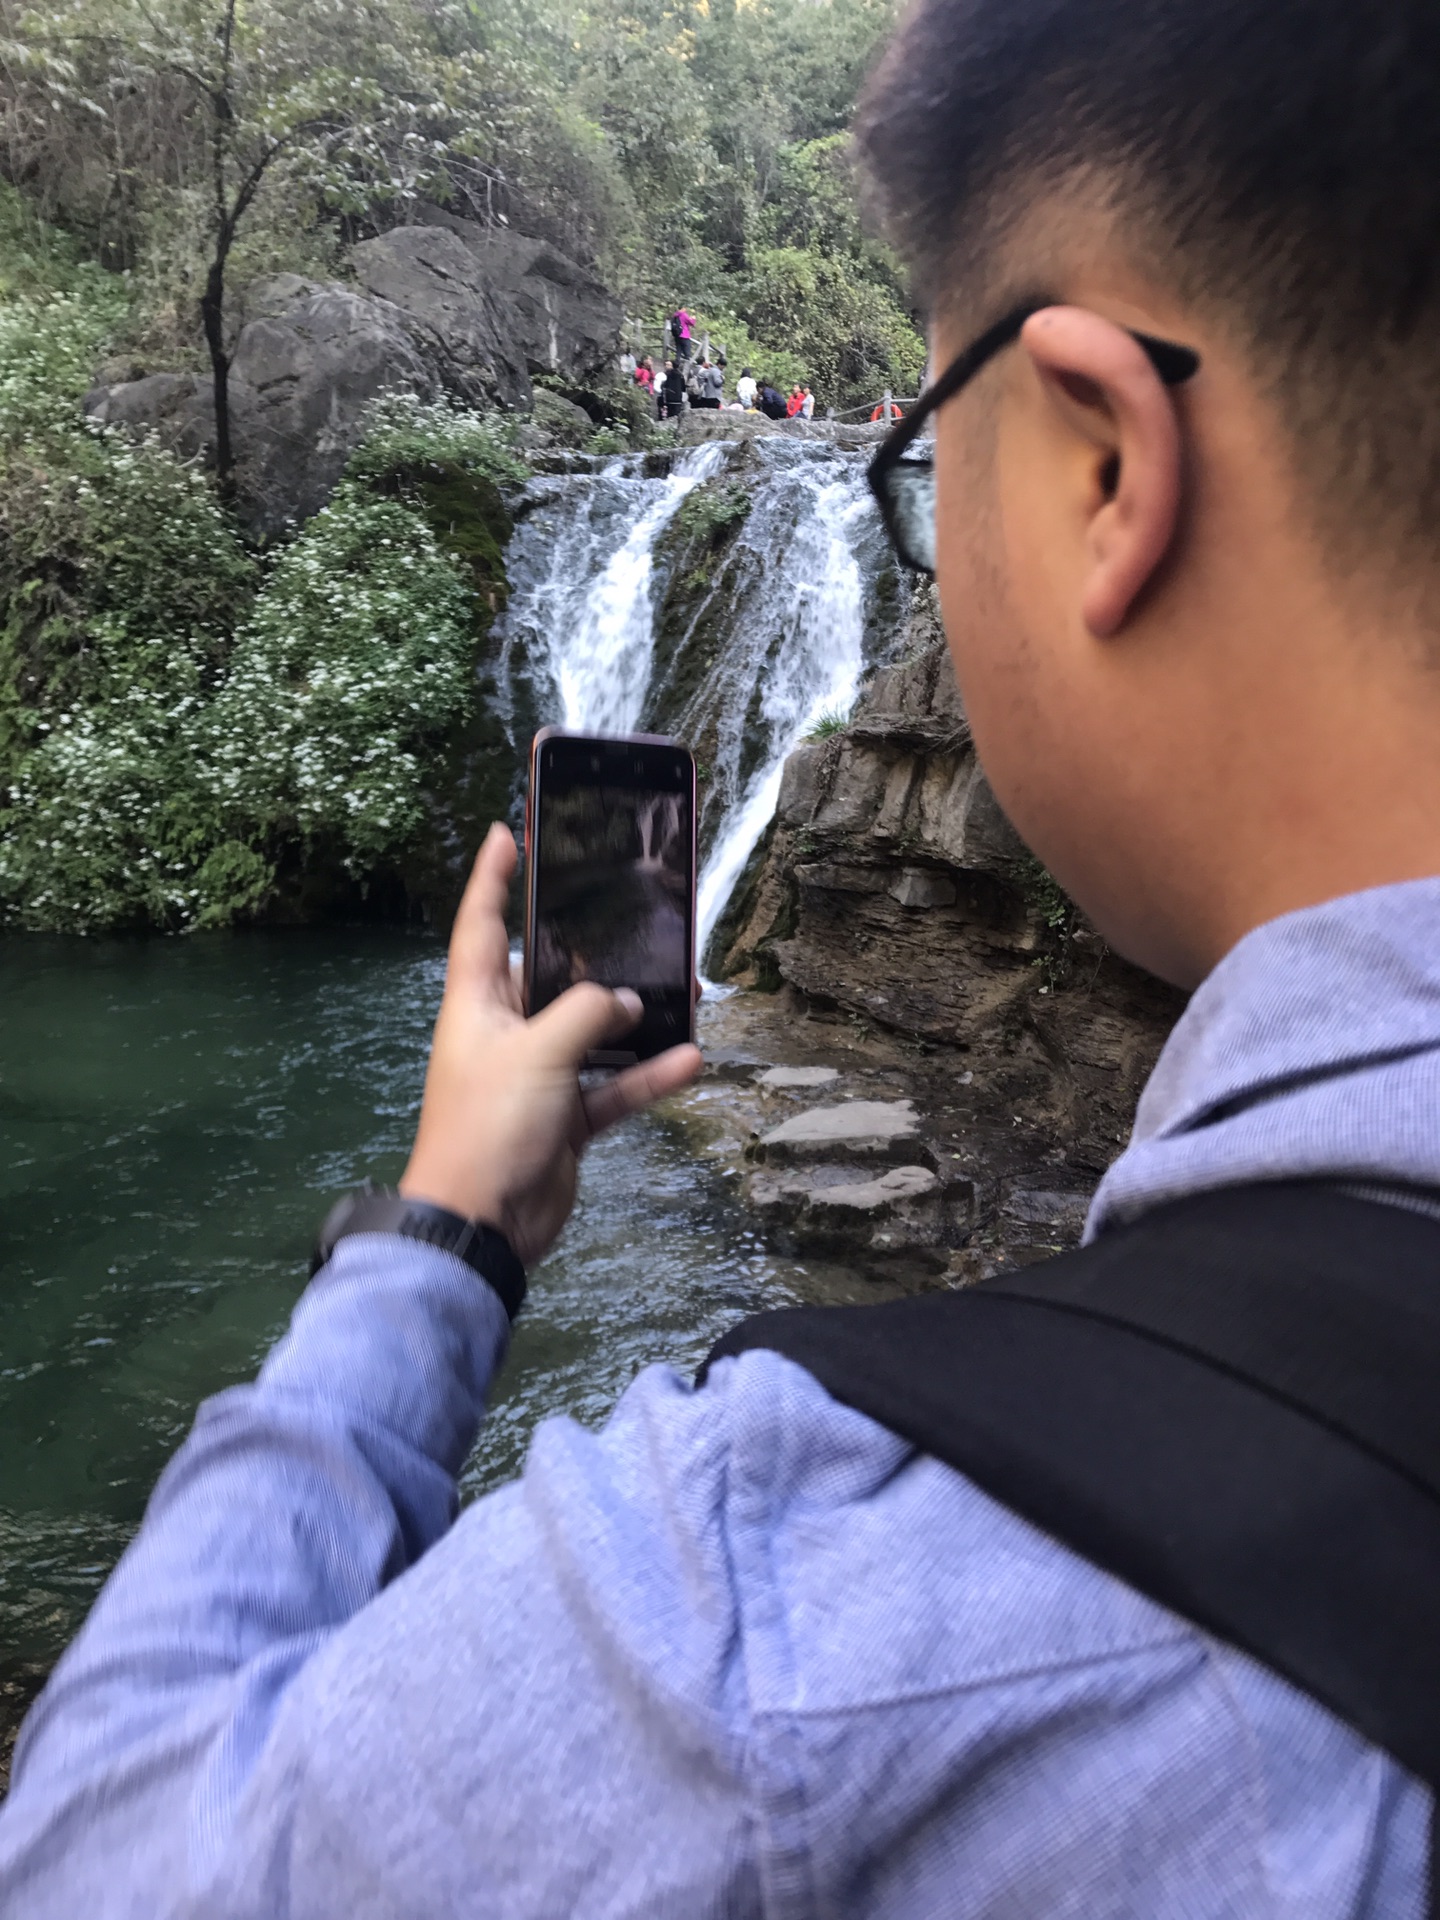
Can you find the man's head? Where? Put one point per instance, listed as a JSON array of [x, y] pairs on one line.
[[1192, 625]]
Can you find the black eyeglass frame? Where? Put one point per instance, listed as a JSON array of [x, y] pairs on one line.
[[1174, 363]]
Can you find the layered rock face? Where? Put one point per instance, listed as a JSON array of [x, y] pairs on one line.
[[494, 307], [894, 891], [447, 307]]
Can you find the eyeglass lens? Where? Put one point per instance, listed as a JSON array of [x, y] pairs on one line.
[[910, 489]]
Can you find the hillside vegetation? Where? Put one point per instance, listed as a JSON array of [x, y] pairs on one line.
[[687, 150], [193, 730]]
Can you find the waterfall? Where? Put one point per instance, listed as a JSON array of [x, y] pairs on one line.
[[792, 598], [582, 564], [796, 586]]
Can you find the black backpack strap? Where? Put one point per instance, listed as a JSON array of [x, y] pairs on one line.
[[1233, 1405]]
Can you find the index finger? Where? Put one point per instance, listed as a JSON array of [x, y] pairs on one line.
[[479, 944]]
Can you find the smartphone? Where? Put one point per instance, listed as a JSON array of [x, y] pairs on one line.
[[610, 879]]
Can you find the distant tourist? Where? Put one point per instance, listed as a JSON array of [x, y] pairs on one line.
[[745, 389], [672, 392], [794, 403], [807, 404], [772, 402], [682, 327], [627, 364], [711, 384], [645, 375]]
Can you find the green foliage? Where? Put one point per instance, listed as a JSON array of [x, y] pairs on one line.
[[1057, 913], [119, 579], [56, 315], [358, 656], [713, 509], [37, 260], [118, 582], [173, 722], [163, 789], [851, 334], [449, 465], [405, 436], [832, 721]]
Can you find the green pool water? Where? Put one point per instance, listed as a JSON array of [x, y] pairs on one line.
[[175, 1117]]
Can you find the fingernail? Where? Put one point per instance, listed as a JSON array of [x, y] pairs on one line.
[[631, 1001]]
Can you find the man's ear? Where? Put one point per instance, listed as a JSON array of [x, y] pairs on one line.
[[1106, 392]]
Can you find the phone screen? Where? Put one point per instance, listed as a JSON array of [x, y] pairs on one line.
[[612, 881]]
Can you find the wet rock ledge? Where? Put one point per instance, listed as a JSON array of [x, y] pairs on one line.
[[894, 904]]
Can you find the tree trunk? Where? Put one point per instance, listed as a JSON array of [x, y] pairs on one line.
[[212, 313]]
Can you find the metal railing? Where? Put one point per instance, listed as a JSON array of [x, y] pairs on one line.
[[889, 407]]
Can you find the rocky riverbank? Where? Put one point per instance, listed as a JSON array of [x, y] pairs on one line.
[[1002, 1046]]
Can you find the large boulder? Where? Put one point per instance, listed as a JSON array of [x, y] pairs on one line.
[[441, 308], [494, 307], [308, 363]]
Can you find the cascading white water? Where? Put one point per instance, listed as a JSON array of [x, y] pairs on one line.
[[586, 610], [797, 578], [578, 644]]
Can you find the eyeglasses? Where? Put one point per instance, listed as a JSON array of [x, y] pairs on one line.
[[904, 483]]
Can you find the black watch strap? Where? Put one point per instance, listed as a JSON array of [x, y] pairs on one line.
[[380, 1210]]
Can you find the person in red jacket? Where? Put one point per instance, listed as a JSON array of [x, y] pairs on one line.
[[794, 403]]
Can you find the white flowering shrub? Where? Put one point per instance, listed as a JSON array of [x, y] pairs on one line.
[[176, 719], [408, 436], [357, 656], [120, 580]]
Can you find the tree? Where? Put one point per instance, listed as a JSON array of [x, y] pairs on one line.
[[360, 102]]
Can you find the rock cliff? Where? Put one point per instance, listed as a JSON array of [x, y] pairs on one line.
[[893, 892], [445, 306]]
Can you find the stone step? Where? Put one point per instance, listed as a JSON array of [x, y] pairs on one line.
[[790, 1077], [883, 1130], [850, 1209]]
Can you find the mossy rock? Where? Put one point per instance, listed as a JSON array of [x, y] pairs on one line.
[[470, 520], [561, 420]]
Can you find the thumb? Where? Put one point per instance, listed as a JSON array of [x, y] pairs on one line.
[[584, 1017], [479, 944]]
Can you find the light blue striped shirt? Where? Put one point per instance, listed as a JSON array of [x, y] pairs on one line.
[[741, 1653]]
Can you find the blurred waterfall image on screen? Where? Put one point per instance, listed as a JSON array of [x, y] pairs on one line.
[[613, 889]]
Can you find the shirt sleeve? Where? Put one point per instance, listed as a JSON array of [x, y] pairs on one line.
[[304, 1691]]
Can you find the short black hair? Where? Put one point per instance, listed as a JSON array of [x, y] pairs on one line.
[[1275, 160]]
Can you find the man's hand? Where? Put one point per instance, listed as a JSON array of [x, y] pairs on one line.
[[504, 1121]]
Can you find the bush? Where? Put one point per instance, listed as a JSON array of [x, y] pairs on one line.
[[404, 436], [120, 579], [173, 719], [358, 657], [849, 332], [712, 510]]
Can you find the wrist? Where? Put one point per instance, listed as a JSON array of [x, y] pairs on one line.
[[484, 1248], [432, 1187]]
